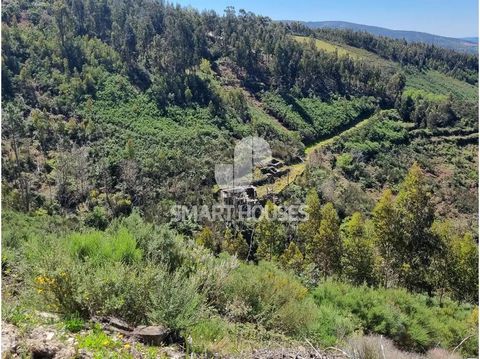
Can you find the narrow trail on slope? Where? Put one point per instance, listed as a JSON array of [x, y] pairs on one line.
[[297, 169]]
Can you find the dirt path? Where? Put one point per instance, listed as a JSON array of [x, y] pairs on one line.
[[297, 169]]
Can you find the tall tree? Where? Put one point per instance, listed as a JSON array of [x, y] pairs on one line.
[[308, 229], [464, 250], [415, 218], [14, 131], [454, 268], [395, 87], [269, 234], [292, 258], [325, 249], [385, 231], [358, 251]]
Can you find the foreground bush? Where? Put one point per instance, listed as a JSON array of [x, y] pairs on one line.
[[414, 322], [149, 275], [268, 296], [108, 274], [101, 247]]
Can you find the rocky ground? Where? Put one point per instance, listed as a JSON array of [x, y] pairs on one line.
[[47, 341], [293, 353], [41, 342], [112, 338]]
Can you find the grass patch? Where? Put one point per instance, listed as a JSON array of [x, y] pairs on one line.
[[346, 50], [74, 323], [102, 345], [440, 84]]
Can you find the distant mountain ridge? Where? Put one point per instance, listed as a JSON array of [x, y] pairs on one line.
[[469, 44], [470, 39]]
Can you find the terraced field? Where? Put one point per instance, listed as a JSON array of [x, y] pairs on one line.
[[438, 83], [297, 169]]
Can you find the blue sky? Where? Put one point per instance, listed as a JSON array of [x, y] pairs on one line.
[[455, 18]]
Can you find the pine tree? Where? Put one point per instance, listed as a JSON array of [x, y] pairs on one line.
[[269, 234], [292, 258], [308, 229], [385, 236], [235, 244], [325, 249], [358, 251]]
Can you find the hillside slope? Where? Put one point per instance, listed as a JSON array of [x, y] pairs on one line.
[[115, 117], [467, 45]]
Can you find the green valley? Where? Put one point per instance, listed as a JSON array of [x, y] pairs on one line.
[[120, 115]]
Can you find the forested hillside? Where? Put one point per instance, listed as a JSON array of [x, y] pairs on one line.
[[468, 45], [114, 111]]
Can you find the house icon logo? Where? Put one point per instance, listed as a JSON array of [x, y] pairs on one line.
[[249, 153]]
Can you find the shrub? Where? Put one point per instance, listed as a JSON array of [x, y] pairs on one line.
[[97, 218], [119, 246], [19, 228], [413, 321], [73, 323], [90, 289], [217, 337], [267, 296], [332, 326], [139, 294], [207, 332], [14, 313], [159, 244], [103, 273], [175, 300]]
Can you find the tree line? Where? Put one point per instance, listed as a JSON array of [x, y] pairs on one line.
[[157, 46], [399, 244], [461, 66]]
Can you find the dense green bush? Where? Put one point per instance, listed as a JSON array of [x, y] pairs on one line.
[[175, 300], [413, 321], [329, 118], [102, 247], [289, 117], [382, 132], [97, 218], [268, 296], [139, 294], [159, 244], [115, 273]]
